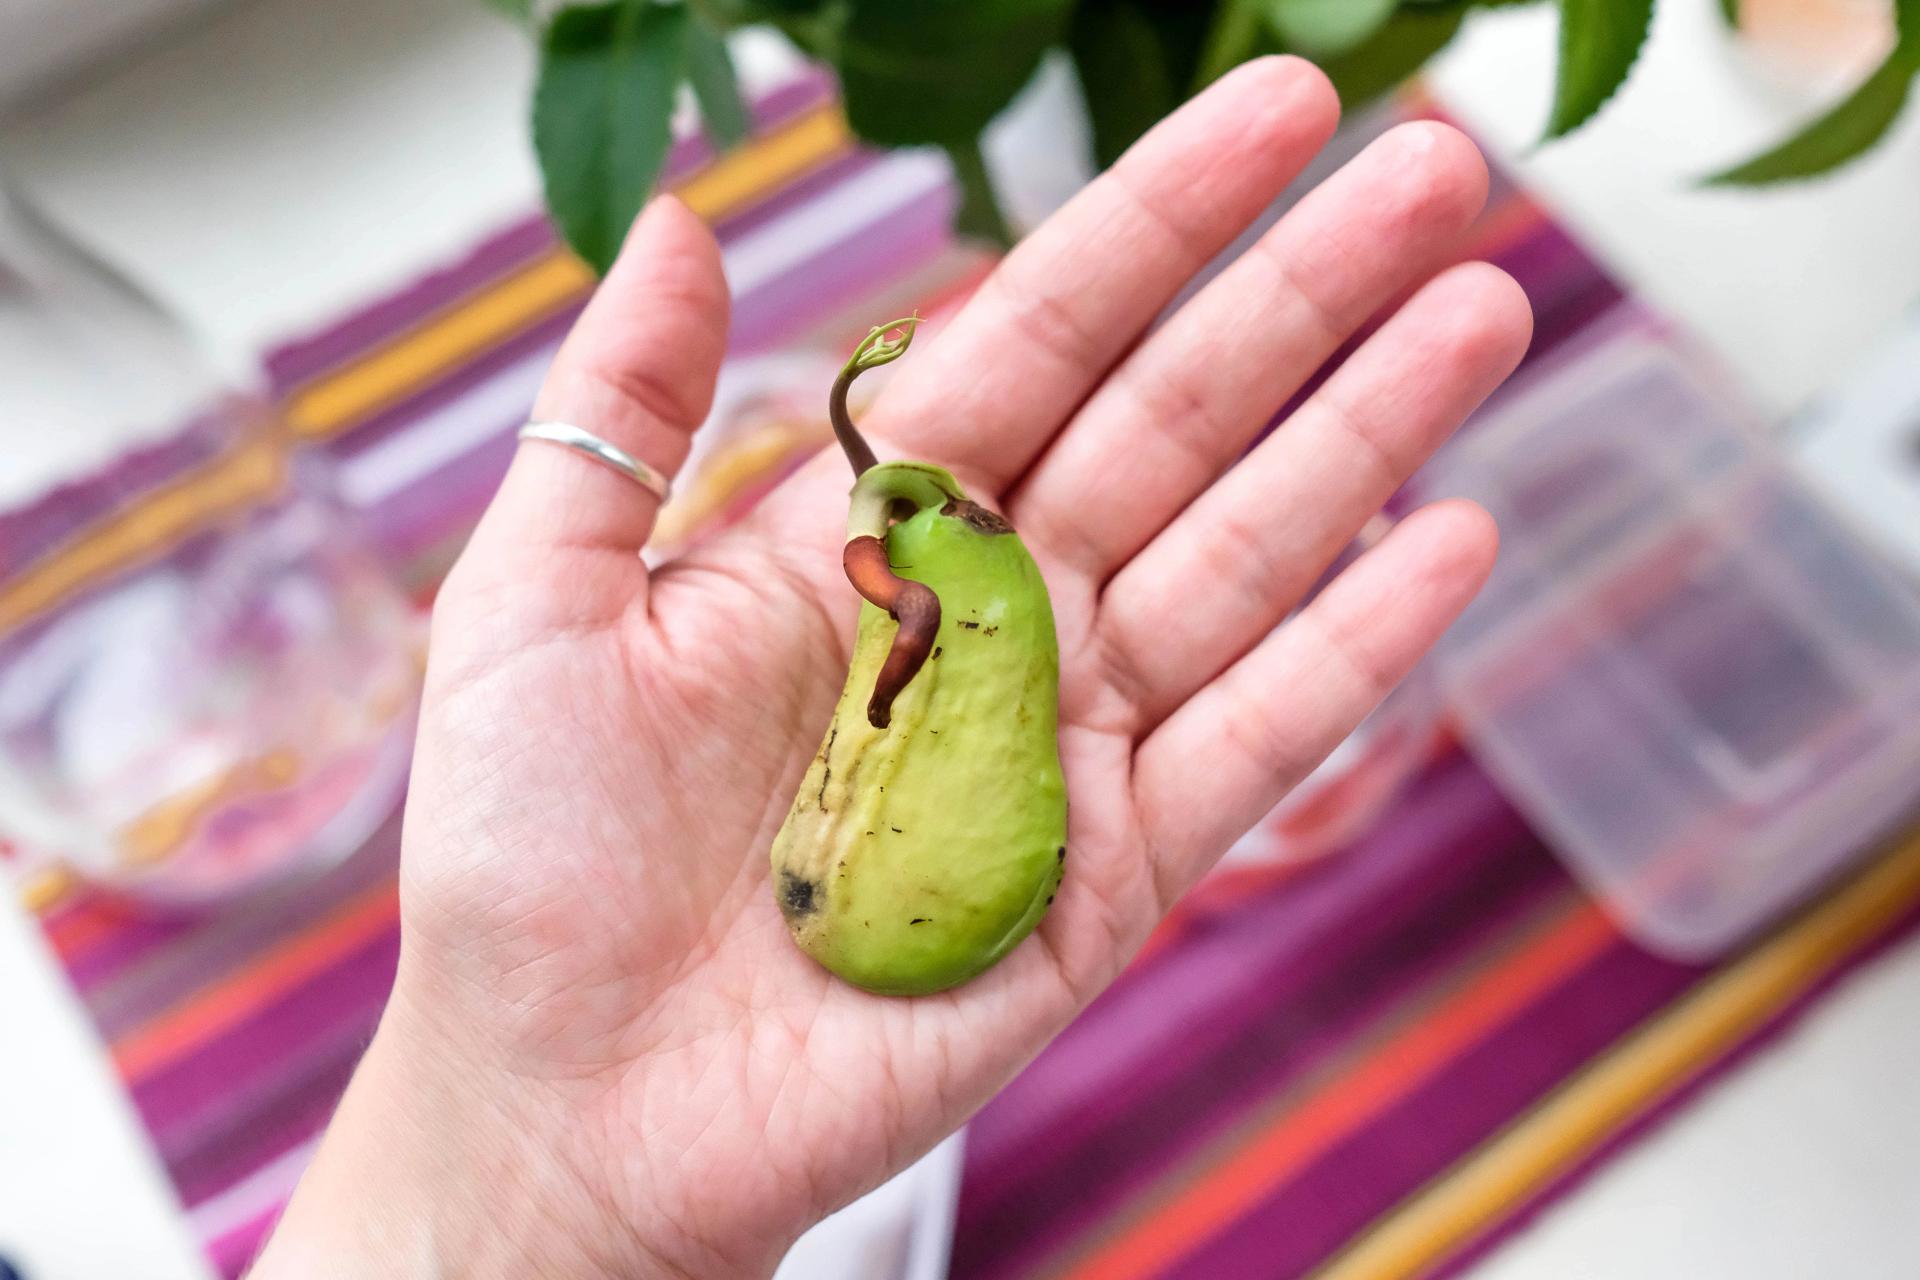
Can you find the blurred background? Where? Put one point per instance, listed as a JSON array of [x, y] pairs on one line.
[[1593, 953]]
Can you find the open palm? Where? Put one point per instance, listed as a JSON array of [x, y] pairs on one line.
[[605, 754]]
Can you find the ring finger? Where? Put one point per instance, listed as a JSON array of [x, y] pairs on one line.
[[1233, 564]]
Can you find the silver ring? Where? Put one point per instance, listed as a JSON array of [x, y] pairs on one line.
[[592, 446]]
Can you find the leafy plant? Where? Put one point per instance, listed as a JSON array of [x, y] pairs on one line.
[[1851, 127], [936, 72]]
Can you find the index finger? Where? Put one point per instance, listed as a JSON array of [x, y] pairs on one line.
[[1079, 291]]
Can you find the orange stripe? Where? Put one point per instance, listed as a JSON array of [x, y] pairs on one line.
[[438, 343], [241, 477], [167, 1038], [1637, 1073], [503, 308], [491, 313], [1503, 226], [75, 930], [1346, 1105], [46, 888]]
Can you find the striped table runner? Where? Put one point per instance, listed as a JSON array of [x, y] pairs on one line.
[[1370, 1067]]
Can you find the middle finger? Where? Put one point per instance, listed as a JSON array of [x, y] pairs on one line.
[[1183, 406]]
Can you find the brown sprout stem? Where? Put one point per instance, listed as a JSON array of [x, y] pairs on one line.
[[852, 443], [878, 496], [877, 348]]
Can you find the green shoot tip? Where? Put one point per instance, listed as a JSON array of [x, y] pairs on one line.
[[884, 344]]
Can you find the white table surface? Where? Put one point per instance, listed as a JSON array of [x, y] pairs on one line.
[[81, 1193], [1790, 285], [284, 160]]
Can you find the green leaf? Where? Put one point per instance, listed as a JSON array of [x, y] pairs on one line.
[[601, 115], [1730, 12], [740, 13], [1396, 51], [1599, 40], [1136, 61], [1234, 35], [1324, 28], [1840, 135], [979, 213], [518, 10], [716, 88], [937, 71]]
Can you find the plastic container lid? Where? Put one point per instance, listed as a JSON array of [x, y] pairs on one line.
[[1703, 691]]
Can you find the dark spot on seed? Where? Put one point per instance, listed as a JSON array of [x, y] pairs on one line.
[[1049, 899], [797, 895], [895, 830], [971, 626], [826, 775], [873, 833], [918, 920], [981, 519], [991, 631], [1060, 854], [938, 650]]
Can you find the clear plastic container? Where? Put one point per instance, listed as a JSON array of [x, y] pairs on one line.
[[1699, 686], [207, 675]]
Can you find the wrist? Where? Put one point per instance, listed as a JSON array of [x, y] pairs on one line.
[[433, 1167]]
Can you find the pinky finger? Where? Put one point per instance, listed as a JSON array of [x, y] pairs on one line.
[[1219, 763]]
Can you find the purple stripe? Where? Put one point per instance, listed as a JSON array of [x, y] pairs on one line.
[[1451, 822], [808, 89], [303, 360], [428, 512], [864, 258], [1279, 1050], [1567, 291], [1264, 996], [1765, 1037], [44, 523], [351, 993], [232, 1253], [134, 932], [548, 330], [149, 970], [447, 387], [771, 205], [445, 504], [224, 1145], [1476, 1094], [525, 239], [692, 152]]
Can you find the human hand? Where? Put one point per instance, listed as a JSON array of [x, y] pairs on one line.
[[603, 1054]]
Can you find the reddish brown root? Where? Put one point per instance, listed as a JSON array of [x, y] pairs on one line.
[[911, 604]]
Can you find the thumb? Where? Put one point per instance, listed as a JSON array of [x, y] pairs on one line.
[[638, 372]]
